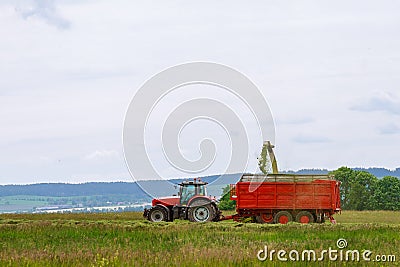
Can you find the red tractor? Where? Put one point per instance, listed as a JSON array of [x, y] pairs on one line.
[[192, 203]]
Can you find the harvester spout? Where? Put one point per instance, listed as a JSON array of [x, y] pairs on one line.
[[272, 156]]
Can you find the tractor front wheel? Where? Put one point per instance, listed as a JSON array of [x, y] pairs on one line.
[[201, 211], [157, 214]]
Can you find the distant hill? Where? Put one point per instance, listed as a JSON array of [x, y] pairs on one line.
[[68, 190], [378, 172], [137, 190], [157, 187]]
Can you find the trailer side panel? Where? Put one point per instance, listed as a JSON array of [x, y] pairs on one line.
[[318, 194]]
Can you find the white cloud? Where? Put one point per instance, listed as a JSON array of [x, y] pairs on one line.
[[383, 101], [64, 93], [101, 155], [44, 10], [311, 139], [390, 129]]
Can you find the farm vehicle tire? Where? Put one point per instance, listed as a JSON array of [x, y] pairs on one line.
[[305, 217], [201, 210], [283, 217], [158, 214], [265, 218]]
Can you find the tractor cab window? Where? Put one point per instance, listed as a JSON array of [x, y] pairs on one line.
[[188, 191], [201, 190]]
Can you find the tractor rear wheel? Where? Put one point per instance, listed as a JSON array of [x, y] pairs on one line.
[[201, 210], [157, 214], [265, 218], [304, 217], [283, 217]]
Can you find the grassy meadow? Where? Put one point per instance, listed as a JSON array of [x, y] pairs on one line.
[[125, 239]]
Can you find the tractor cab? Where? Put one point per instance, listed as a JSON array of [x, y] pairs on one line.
[[189, 189]]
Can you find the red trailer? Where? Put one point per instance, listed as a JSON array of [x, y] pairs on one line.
[[281, 198]]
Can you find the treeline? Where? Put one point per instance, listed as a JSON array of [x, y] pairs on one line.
[[361, 190]]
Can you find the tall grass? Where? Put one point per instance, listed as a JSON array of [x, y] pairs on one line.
[[125, 239]]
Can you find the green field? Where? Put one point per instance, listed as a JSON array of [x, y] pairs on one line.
[[125, 239]]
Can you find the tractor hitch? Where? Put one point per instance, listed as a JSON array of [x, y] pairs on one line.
[[146, 213]]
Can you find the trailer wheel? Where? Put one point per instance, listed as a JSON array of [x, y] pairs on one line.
[[201, 211], [304, 217], [283, 217], [157, 214], [265, 218]]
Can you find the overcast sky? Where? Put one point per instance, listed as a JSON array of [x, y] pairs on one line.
[[68, 70]]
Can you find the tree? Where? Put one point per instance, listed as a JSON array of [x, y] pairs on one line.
[[361, 196], [387, 193], [346, 177], [357, 189], [225, 203]]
